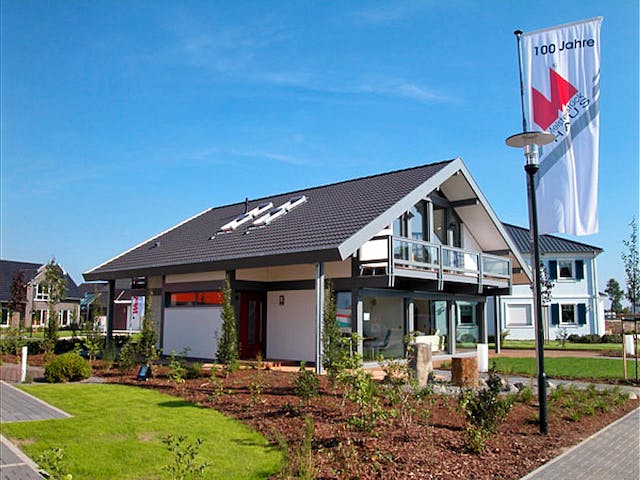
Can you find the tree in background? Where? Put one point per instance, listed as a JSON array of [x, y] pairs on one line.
[[56, 285], [615, 294], [631, 260], [227, 353], [148, 344], [18, 298]]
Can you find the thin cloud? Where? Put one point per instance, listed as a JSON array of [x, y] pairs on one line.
[[391, 12]]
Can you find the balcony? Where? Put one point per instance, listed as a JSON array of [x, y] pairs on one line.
[[417, 259]]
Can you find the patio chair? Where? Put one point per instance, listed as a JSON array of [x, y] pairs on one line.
[[377, 346]]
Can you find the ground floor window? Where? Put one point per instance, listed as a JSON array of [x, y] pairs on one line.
[[343, 311], [4, 320], [40, 318], [191, 299], [567, 314], [383, 327], [518, 315], [430, 320], [64, 318]]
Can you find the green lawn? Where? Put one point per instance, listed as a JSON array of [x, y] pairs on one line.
[[555, 345], [116, 432], [567, 367]]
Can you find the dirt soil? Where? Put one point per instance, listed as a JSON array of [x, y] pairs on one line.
[[430, 448]]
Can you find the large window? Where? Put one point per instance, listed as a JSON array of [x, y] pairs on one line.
[[40, 318], [383, 327], [343, 311], [192, 299]]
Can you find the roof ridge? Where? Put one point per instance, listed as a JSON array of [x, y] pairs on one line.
[[351, 180]]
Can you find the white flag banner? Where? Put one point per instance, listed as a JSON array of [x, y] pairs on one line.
[[562, 79], [136, 312]]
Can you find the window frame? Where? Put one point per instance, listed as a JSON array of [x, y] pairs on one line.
[[42, 293], [570, 267], [575, 313]]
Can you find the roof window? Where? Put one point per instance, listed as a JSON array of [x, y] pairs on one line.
[[279, 211], [245, 217]]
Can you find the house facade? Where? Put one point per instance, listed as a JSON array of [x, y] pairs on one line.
[[575, 305], [35, 309], [93, 306], [412, 250]]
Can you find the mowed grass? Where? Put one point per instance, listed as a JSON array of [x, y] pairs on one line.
[[567, 367], [116, 432]]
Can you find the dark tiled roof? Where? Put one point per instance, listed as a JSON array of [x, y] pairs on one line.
[[331, 215], [8, 269], [548, 243]]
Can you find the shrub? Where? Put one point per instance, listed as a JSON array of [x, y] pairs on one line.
[[194, 370], [128, 356], [65, 345], [307, 384], [176, 367], [11, 343], [54, 463], [184, 464], [364, 391], [68, 367], [484, 410], [299, 462], [612, 338], [227, 353]]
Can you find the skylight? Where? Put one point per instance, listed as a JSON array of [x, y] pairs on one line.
[[245, 217], [279, 211]]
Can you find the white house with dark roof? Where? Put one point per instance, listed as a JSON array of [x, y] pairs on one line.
[[418, 249], [575, 305]]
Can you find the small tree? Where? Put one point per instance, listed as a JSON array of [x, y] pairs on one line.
[[18, 297], [631, 260], [615, 294], [56, 285], [337, 350], [147, 346], [227, 353]]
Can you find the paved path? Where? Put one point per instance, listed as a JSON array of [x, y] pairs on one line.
[[18, 406], [612, 453]]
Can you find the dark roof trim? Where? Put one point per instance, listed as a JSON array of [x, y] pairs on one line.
[[549, 244], [312, 256]]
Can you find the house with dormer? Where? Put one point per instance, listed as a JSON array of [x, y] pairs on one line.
[[418, 249]]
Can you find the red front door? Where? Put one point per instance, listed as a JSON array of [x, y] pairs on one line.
[[250, 324]]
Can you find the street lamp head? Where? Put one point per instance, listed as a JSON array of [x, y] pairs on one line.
[[530, 141], [520, 140]]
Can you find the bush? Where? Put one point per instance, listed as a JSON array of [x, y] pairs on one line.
[[68, 367], [307, 384], [65, 345], [484, 410], [612, 338]]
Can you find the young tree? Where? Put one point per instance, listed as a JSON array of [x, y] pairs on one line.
[[227, 353], [631, 260], [147, 346], [56, 285], [615, 294], [18, 297]]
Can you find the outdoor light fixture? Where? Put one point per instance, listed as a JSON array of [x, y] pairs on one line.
[[281, 300], [530, 141]]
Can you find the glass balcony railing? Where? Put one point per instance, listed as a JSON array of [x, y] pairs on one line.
[[417, 255]]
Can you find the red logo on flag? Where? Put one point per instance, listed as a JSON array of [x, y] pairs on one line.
[[545, 111]]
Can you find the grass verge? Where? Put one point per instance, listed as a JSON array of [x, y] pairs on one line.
[[567, 367], [116, 432], [555, 345]]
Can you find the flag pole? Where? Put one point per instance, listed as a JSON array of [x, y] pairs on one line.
[[530, 142]]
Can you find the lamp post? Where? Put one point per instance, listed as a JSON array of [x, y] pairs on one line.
[[530, 141]]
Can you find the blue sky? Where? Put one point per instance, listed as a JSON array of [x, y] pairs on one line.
[[121, 119]]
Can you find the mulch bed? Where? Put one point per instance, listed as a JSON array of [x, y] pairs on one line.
[[427, 449]]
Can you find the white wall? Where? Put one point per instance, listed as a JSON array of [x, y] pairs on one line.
[[291, 327], [193, 327], [195, 277], [303, 271]]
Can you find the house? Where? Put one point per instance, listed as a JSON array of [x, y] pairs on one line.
[[35, 310], [575, 306], [418, 249], [93, 305]]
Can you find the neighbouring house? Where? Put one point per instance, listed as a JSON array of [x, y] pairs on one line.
[[35, 311], [418, 249], [575, 304], [93, 305]]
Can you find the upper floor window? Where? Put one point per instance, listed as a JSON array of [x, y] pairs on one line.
[[42, 292], [416, 224], [566, 269]]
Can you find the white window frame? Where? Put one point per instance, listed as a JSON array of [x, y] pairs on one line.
[[63, 318], [42, 293], [473, 315], [567, 264], [575, 313], [41, 318], [528, 314], [5, 321]]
